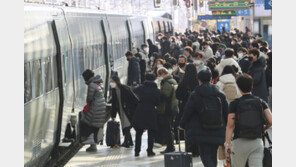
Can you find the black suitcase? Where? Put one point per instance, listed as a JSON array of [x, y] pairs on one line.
[[113, 133], [178, 159]]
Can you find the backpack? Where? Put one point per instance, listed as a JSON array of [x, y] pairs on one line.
[[249, 119], [211, 113], [230, 91]]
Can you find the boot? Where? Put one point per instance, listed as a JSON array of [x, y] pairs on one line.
[[150, 153], [92, 148]]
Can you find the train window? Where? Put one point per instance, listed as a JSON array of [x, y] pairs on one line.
[[28, 82], [81, 60], [47, 74], [55, 72], [37, 77]]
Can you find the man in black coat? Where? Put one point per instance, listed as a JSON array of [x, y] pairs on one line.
[[134, 72], [243, 59], [165, 46], [152, 48], [145, 116], [208, 140], [257, 71]]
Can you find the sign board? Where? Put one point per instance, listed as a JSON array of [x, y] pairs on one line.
[[268, 4], [245, 12], [225, 24], [204, 24], [260, 9], [211, 17], [224, 13], [228, 5]]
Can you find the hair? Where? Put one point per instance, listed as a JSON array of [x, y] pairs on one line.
[[228, 70], [161, 61], [245, 83], [205, 76], [162, 70], [167, 65], [229, 52], [234, 40], [215, 73], [198, 54], [116, 79], [263, 49], [242, 49], [138, 55], [188, 49], [149, 42], [205, 43], [144, 45], [172, 61], [87, 74], [166, 56], [190, 77], [182, 56], [255, 52], [128, 53], [150, 77], [255, 45], [265, 44]]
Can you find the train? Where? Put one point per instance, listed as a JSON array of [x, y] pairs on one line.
[[61, 42]]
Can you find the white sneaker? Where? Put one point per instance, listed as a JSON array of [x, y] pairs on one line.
[[157, 145], [89, 140]]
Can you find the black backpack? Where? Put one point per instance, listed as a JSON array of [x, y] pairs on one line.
[[211, 114], [249, 119]]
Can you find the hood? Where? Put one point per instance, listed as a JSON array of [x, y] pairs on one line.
[[96, 78], [227, 78], [261, 62], [207, 89], [150, 84]]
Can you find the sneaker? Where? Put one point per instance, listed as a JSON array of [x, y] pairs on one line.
[[157, 145], [89, 139], [167, 151], [92, 148]]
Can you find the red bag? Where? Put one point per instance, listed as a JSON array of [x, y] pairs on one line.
[[86, 107]]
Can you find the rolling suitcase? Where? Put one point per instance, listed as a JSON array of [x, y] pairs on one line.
[[113, 133], [178, 159]]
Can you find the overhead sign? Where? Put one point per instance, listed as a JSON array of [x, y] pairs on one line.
[[224, 5], [245, 12], [222, 24], [260, 9], [268, 4], [224, 13], [211, 17]]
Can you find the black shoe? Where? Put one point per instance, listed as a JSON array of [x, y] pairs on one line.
[[92, 148], [131, 143], [137, 154], [167, 151], [150, 154], [126, 145]]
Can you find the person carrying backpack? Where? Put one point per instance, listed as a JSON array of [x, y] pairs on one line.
[[249, 116], [228, 85], [205, 118]]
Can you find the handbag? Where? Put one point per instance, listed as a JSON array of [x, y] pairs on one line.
[[267, 160], [86, 107]]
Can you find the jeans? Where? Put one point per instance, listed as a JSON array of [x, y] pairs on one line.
[[208, 154], [139, 133]]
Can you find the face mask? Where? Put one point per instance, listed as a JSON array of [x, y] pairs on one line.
[[170, 71], [146, 50], [152, 58], [181, 65], [175, 68], [232, 43], [240, 55], [251, 40], [197, 62], [159, 37], [159, 79], [159, 66], [112, 84]]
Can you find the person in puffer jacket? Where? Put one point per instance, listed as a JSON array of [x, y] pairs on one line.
[[227, 84], [95, 117], [228, 60]]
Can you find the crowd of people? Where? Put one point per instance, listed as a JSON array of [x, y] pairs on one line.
[[213, 86]]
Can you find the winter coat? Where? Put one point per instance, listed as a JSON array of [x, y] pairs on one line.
[[179, 74], [191, 116], [145, 116], [134, 72], [168, 100], [235, 48], [96, 115], [165, 47], [129, 102], [143, 70], [175, 52], [227, 85], [225, 62], [257, 71], [244, 63], [208, 53]]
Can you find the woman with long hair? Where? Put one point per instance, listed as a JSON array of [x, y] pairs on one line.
[[124, 102]]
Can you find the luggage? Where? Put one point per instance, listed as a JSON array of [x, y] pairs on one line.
[[211, 114], [249, 119], [267, 160], [113, 133], [178, 159]]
